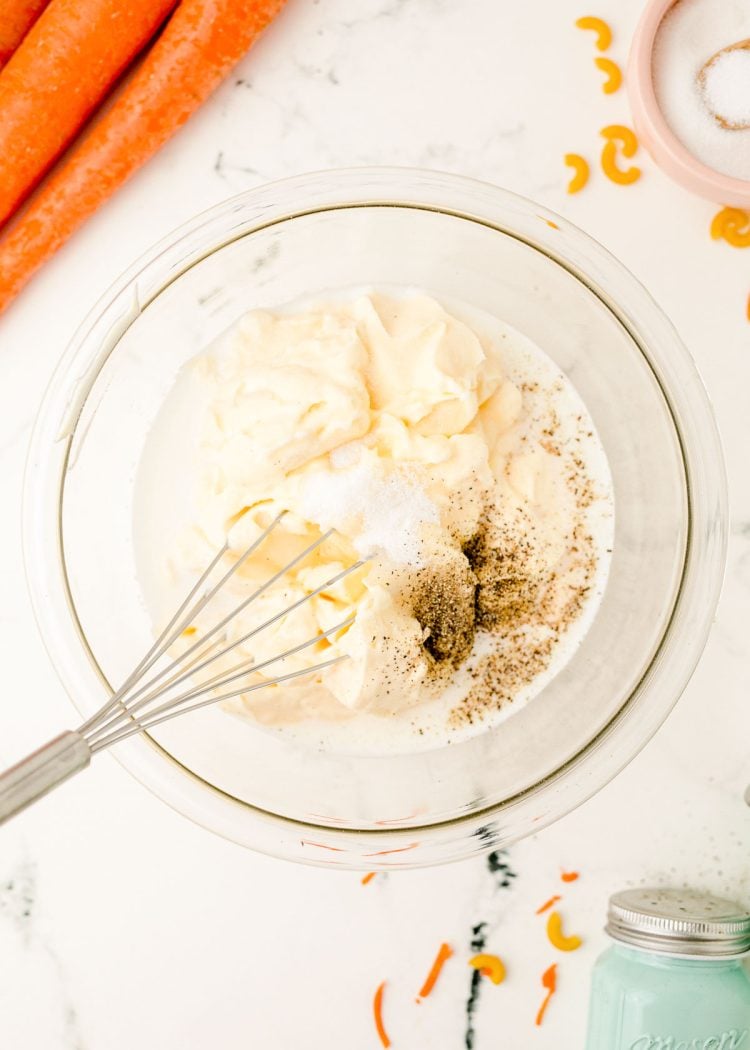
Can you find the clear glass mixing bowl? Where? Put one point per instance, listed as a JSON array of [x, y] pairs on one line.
[[464, 240]]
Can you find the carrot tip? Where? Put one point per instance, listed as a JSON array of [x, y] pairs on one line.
[[549, 982], [377, 1009], [549, 904], [444, 953]]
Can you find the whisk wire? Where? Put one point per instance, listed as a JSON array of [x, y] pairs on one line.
[[220, 681], [222, 678], [128, 731], [114, 712], [138, 706], [181, 619], [250, 634], [213, 631], [130, 711]]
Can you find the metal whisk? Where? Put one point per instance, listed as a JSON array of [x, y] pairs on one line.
[[145, 700]]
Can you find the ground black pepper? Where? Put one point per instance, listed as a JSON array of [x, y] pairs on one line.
[[443, 599]]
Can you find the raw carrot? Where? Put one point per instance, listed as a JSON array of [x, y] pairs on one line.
[[570, 876], [199, 45], [549, 982], [549, 904], [368, 877], [387, 852], [377, 1009], [57, 78], [16, 19], [442, 956]]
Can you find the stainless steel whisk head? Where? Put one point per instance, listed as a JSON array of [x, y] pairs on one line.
[[152, 694]]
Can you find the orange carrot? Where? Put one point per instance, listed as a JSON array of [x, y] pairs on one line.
[[16, 19], [58, 76], [201, 42], [377, 1009], [549, 904], [388, 852], [368, 877], [549, 981], [440, 959], [570, 876]]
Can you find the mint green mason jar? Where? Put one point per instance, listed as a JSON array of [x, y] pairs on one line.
[[674, 978]]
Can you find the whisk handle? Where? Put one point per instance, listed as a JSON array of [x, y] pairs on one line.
[[41, 771]]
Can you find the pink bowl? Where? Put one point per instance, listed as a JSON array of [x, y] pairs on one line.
[[666, 149]]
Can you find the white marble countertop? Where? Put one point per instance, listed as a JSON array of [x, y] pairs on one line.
[[122, 925]]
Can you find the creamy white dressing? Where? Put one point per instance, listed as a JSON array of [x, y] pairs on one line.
[[526, 400]]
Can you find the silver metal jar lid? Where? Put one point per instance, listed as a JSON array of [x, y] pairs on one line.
[[679, 922]]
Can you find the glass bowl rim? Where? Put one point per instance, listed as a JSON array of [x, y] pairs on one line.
[[460, 196]]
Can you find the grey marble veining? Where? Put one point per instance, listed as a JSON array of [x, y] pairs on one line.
[[18, 898]]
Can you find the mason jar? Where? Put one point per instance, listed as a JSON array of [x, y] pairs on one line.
[[674, 977]]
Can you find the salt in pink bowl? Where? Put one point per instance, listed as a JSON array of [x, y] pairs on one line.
[[654, 132]]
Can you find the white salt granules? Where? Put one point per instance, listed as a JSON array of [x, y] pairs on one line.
[[726, 87], [346, 455], [392, 510], [690, 33]]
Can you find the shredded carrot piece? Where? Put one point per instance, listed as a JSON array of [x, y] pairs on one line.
[[489, 966], [400, 820], [387, 852], [236, 517], [368, 877], [570, 876], [600, 27], [549, 981], [613, 73], [733, 226], [377, 1009], [441, 958], [612, 171], [549, 904], [580, 168], [622, 134], [747, 311], [557, 937]]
